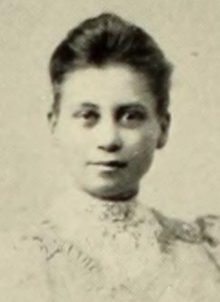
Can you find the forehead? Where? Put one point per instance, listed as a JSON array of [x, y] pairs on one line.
[[109, 85]]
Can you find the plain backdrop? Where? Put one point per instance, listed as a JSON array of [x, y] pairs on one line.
[[185, 178]]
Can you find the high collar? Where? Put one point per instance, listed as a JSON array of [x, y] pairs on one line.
[[75, 204], [79, 217]]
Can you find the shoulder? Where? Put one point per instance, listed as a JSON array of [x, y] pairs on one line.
[[202, 229], [201, 234], [194, 247], [22, 267], [20, 243], [173, 231], [16, 244], [210, 234]]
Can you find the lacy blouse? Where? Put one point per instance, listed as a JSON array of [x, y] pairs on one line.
[[152, 259]]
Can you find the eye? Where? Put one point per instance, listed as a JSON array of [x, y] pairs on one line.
[[88, 117], [132, 118]]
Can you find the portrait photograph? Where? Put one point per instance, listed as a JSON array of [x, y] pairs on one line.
[[109, 158]]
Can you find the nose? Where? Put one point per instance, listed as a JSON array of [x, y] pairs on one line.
[[109, 138]]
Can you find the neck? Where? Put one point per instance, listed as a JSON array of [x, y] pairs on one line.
[[85, 208], [120, 210]]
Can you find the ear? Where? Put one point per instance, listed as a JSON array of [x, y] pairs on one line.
[[52, 120], [164, 122]]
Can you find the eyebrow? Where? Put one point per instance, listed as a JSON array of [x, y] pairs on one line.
[[123, 106], [131, 106], [88, 104]]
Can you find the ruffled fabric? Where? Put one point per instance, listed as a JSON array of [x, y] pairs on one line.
[[173, 230], [191, 272], [190, 275], [210, 229], [205, 230], [210, 233]]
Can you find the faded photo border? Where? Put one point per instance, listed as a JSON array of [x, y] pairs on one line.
[[184, 180]]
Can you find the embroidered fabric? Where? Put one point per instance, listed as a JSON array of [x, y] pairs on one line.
[[79, 273], [205, 230], [64, 258]]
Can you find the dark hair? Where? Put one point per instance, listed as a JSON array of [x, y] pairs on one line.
[[110, 39]]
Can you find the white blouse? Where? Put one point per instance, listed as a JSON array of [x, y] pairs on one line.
[[122, 252]]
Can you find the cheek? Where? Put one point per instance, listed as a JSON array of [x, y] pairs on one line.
[[71, 145], [141, 143], [141, 152]]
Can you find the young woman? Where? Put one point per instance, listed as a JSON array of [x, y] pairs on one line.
[[99, 242]]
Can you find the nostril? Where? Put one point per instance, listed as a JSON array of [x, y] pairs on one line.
[[114, 147], [109, 139]]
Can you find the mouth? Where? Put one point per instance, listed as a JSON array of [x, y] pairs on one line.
[[113, 164]]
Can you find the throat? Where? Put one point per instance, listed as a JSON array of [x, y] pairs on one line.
[[120, 207], [120, 211], [80, 213]]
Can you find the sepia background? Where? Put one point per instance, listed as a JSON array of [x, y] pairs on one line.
[[185, 178]]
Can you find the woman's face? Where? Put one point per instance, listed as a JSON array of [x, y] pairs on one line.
[[108, 129]]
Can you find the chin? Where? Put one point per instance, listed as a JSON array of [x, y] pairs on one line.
[[110, 191], [103, 192]]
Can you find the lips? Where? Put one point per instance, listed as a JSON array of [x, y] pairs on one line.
[[111, 164]]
